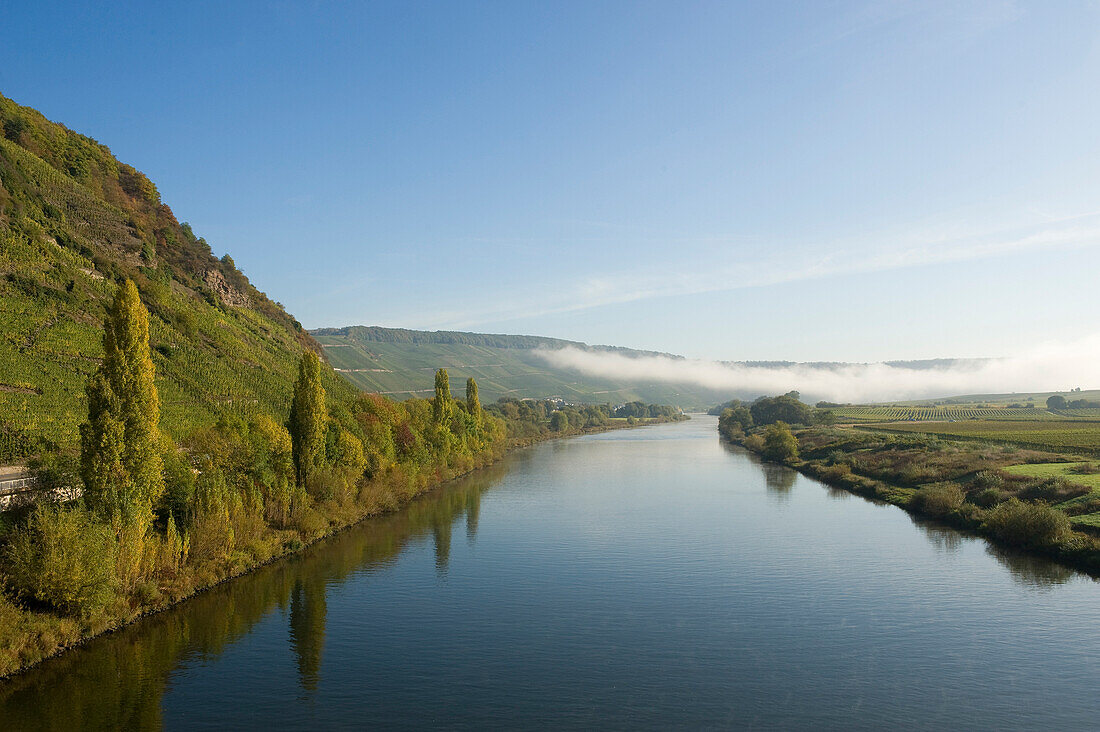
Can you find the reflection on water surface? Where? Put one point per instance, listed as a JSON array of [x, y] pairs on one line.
[[646, 579]]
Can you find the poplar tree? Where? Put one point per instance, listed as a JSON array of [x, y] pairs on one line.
[[441, 405], [120, 456], [308, 419], [473, 404]]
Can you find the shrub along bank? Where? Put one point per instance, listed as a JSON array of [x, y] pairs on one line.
[[967, 485]]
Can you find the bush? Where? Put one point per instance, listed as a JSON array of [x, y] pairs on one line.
[[937, 500], [838, 472], [1027, 524], [1053, 490], [989, 497], [211, 536], [65, 558], [988, 479], [754, 443], [779, 443]]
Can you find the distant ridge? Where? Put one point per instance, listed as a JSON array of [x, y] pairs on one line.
[[399, 362], [379, 334]]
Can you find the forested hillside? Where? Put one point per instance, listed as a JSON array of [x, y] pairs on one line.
[[75, 222], [400, 363]]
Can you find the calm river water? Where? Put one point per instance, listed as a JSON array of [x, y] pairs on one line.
[[650, 578]]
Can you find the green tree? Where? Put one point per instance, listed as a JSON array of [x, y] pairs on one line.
[[734, 420], [441, 405], [65, 557], [473, 403], [785, 408], [308, 422], [120, 453], [559, 422], [1056, 402], [779, 443]]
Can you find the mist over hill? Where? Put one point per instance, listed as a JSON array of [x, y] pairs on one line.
[[399, 362]]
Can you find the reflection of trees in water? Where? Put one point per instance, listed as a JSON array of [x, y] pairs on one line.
[[731, 448], [117, 681], [441, 535], [473, 513], [1029, 570], [308, 609], [779, 478], [1025, 569], [944, 538]]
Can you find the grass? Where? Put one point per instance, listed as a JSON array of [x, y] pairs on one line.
[[1066, 435], [1089, 519], [1059, 470], [1070, 472]]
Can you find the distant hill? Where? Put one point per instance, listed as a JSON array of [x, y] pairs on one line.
[[74, 222], [400, 363], [1039, 398]]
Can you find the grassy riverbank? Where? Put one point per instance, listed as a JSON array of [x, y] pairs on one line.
[[1047, 503], [31, 633]]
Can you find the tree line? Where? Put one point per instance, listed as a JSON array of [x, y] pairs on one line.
[[157, 520], [155, 516], [736, 416], [1058, 402]]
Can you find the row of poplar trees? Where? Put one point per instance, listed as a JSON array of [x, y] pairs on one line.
[[121, 444]]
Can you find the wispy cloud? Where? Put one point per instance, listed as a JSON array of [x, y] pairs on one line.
[[1048, 367], [942, 246]]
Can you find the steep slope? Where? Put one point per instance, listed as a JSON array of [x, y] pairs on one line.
[[74, 222], [400, 363]]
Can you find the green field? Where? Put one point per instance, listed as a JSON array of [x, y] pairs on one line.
[[1058, 470], [401, 364], [1071, 435]]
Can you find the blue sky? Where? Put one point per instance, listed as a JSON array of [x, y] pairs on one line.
[[807, 181]]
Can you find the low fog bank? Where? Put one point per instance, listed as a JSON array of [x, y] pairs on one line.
[[1047, 367]]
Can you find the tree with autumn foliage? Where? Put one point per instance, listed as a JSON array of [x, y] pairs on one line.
[[308, 422], [120, 455], [473, 403], [441, 404]]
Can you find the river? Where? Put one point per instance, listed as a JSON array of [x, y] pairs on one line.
[[649, 578]]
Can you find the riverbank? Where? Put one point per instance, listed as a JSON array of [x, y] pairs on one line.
[[979, 488], [30, 635], [542, 592]]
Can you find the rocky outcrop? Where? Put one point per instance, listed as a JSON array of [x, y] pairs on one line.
[[217, 283]]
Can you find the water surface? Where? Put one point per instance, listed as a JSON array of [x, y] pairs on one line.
[[651, 578]]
